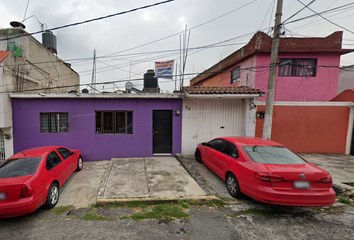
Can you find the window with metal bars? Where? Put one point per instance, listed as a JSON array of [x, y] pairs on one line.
[[54, 123], [114, 122], [297, 67], [235, 75]]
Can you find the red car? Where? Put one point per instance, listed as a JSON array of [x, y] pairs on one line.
[[32, 178], [266, 171]]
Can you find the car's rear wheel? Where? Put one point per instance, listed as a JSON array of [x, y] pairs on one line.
[[53, 196], [198, 156], [232, 185], [80, 164]]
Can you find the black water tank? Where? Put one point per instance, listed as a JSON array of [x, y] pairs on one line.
[[49, 40], [150, 81], [85, 90]]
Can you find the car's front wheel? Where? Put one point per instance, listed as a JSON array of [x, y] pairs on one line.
[[80, 164], [198, 156], [53, 196], [232, 185]]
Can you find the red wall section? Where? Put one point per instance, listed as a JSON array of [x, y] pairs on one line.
[[309, 129]]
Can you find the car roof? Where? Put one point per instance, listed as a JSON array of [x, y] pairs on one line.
[[250, 141], [35, 152]]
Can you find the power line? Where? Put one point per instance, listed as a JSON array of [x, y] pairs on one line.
[[261, 68], [94, 19], [298, 12], [175, 34], [323, 12], [326, 18]]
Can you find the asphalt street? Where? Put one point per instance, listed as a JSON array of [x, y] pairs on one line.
[[205, 222]]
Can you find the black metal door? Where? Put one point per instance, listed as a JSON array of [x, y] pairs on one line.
[[162, 131]]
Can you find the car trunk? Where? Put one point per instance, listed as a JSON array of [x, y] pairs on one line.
[[10, 188], [298, 176]]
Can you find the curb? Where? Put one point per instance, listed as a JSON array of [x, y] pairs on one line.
[[154, 200]]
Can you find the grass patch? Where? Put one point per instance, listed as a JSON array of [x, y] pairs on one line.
[[124, 217], [217, 204], [350, 184], [223, 198], [344, 200], [161, 211], [185, 204], [93, 217], [137, 204], [61, 210]]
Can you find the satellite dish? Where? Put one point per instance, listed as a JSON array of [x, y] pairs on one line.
[[129, 85], [16, 24]]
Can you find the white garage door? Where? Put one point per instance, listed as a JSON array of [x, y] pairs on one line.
[[207, 119]]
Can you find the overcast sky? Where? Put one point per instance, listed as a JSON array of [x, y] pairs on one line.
[[127, 45]]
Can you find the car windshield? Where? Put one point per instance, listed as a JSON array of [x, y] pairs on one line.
[[273, 155], [19, 167]]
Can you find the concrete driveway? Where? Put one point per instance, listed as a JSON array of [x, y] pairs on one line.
[[340, 166], [122, 178], [82, 187]]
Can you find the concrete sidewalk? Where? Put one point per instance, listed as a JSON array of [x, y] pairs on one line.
[[340, 166]]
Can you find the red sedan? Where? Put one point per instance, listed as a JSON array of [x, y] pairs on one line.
[[32, 178], [266, 171]]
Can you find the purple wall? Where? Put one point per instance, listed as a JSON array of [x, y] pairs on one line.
[[81, 135]]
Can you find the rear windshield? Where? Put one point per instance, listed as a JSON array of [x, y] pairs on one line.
[[19, 167], [272, 155]]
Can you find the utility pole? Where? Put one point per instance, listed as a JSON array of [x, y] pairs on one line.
[[267, 127]]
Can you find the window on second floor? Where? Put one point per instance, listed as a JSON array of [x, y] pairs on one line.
[[235, 75], [297, 67]]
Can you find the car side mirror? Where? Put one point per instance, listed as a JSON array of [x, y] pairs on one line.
[[204, 144], [73, 152]]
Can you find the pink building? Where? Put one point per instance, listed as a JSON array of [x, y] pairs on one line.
[[307, 69]]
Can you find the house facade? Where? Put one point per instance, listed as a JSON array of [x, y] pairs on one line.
[[311, 127], [307, 69], [111, 125], [27, 66]]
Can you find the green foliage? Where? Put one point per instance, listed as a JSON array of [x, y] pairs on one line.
[[344, 200], [61, 210], [137, 204], [217, 204], [161, 211], [223, 198], [185, 204]]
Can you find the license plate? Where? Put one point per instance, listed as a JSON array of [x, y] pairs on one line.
[[302, 184], [2, 196]]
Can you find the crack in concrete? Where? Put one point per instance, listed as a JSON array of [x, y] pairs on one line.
[[147, 178]]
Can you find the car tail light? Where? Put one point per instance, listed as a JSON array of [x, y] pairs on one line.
[[26, 191], [327, 179], [268, 178]]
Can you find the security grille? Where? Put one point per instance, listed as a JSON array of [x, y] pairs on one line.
[[2, 149]]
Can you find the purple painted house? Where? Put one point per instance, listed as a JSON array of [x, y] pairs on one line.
[[113, 125], [102, 127]]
